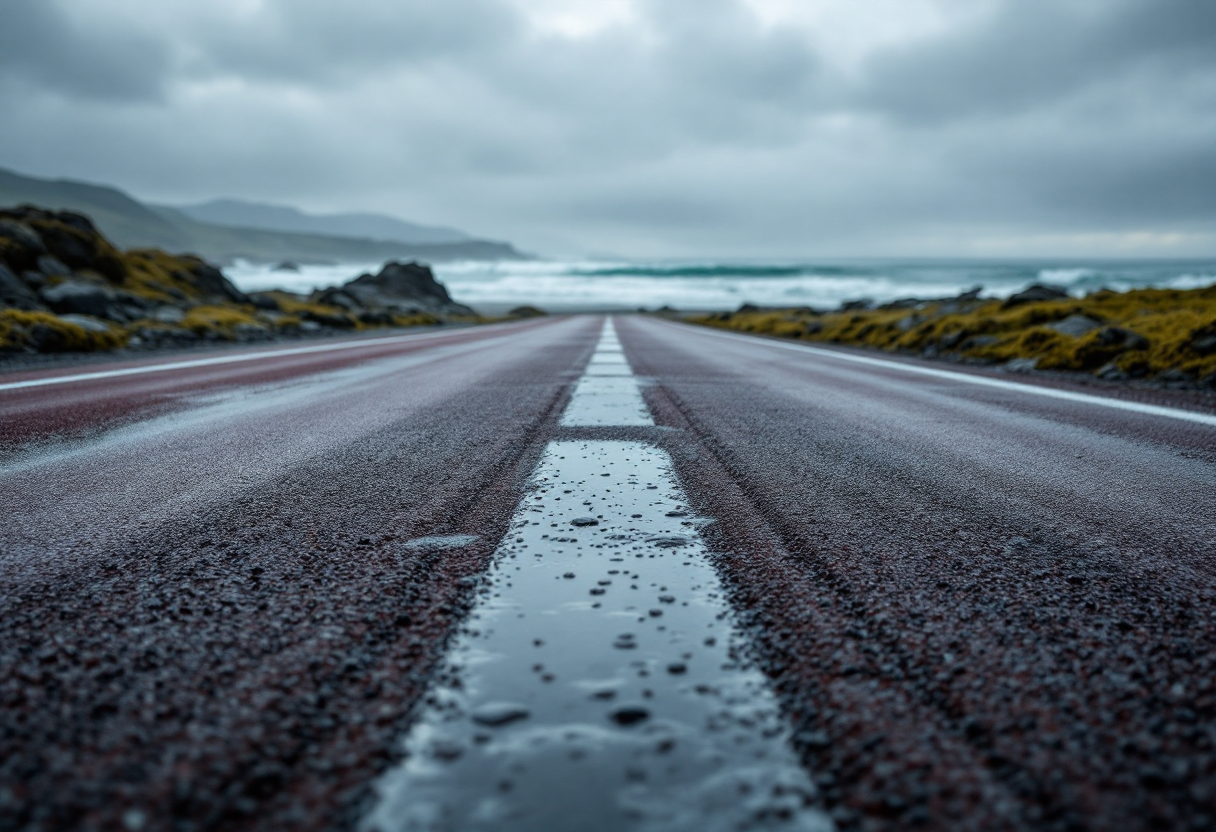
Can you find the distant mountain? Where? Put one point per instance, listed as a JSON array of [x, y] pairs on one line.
[[242, 214], [132, 224]]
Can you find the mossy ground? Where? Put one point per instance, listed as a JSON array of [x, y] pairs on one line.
[[1140, 333], [50, 333]]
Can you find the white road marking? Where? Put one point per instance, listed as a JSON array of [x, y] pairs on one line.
[[607, 394], [981, 381], [222, 359], [598, 684]]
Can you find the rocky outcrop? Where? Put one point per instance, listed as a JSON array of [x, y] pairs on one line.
[[1035, 294], [64, 286], [407, 288]]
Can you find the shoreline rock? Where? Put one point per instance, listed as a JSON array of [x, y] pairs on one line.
[[64, 287]]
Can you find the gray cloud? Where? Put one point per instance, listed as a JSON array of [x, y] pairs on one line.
[[42, 45], [693, 127], [1026, 54]]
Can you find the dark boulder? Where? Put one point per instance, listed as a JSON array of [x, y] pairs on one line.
[[15, 293], [1107, 343], [1203, 340], [20, 245], [1076, 326], [265, 301], [53, 267], [1124, 339], [211, 282], [338, 298], [81, 298], [324, 319], [901, 303], [401, 286], [376, 318], [1034, 294], [87, 323], [73, 242], [526, 312]]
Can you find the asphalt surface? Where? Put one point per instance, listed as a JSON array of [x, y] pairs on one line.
[[980, 608]]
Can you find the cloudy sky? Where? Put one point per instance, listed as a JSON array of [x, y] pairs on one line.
[[647, 127]]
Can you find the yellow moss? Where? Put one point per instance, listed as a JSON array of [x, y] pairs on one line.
[[220, 320], [157, 275], [302, 307], [19, 329], [985, 331], [285, 322], [419, 319]]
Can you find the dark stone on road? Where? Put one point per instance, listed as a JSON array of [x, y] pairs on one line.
[[629, 715]]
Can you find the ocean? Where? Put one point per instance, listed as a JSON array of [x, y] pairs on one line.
[[558, 285]]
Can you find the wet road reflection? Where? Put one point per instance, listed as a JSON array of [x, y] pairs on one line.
[[599, 684]]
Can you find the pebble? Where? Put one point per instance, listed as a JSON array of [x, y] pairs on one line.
[[629, 715]]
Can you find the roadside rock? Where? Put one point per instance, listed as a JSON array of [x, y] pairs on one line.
[[20, 245], [1203, 340], [526, 312], [80, 297], [1033, 294], [1021, 365], [53, 267], [1124, 339], [1075, 326], [401, 287], [265, 301], [213, 284], [87, 323], [169, 315], [338, 298], [15, 293]]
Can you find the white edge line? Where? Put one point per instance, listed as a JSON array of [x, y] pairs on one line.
[[982, 381], [224, 359]]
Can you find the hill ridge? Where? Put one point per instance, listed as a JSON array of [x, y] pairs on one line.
[[134, 224]]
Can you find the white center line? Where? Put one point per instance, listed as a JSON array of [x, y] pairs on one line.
[[607, 394], [599, 684]]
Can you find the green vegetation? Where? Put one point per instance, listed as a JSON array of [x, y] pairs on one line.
[[45, 332], [1141, 333]]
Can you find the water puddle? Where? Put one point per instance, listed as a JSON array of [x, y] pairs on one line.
[[600, 683], [603, 401], [608, 394]]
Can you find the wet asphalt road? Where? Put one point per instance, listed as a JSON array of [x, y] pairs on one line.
[[980, 609]]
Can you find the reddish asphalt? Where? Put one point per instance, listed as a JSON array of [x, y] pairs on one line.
[[981, 609]]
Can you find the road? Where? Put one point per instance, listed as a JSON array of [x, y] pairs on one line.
[[980, 604]]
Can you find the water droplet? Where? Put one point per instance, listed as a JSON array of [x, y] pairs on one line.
[[498, 714]]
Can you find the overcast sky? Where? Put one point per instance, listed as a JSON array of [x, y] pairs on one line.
[[646, 127]]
